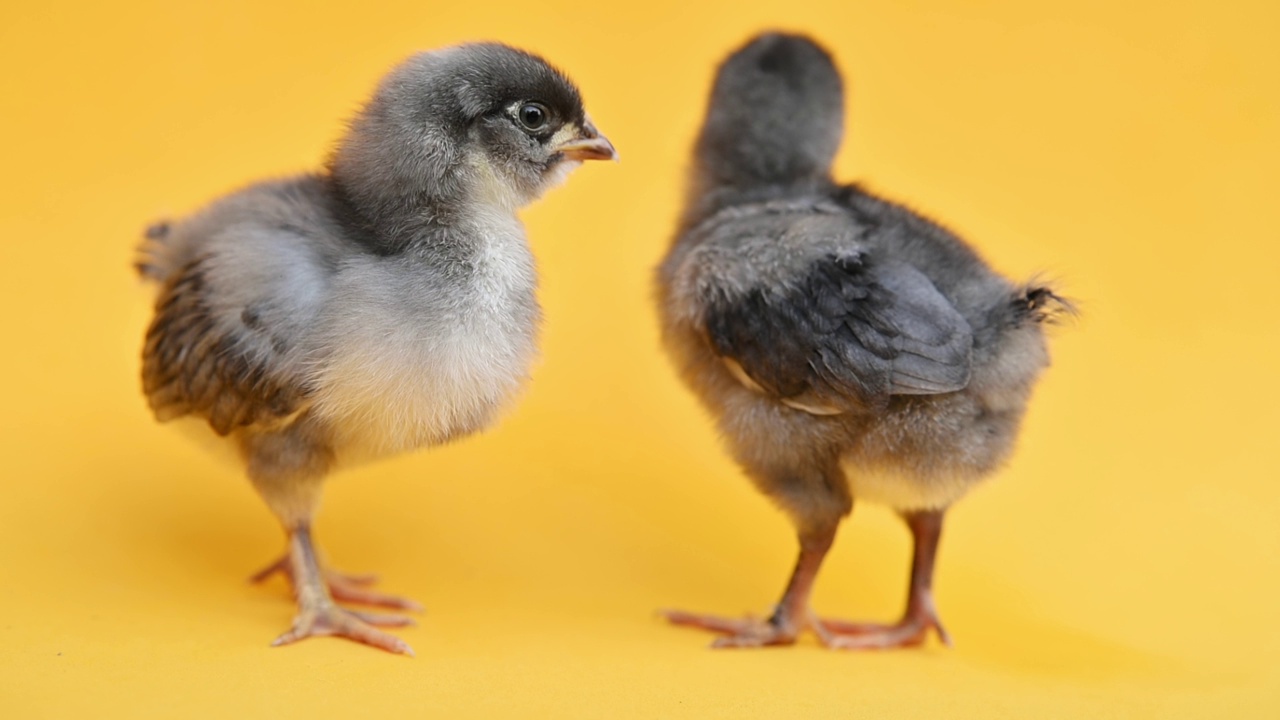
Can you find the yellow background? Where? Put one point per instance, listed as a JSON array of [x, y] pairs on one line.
[[1123, 565]]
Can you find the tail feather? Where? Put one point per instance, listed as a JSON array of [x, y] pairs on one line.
[[1038, 302], [153, 260]]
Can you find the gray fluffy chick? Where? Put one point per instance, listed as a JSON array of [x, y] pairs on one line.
[[383, 305], [848, 348]]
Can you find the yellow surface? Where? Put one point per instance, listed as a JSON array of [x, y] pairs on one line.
[[1123, 565]]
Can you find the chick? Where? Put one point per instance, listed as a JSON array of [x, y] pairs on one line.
[[848, 348], [382, 305]]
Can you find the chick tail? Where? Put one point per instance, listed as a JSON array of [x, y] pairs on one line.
[[1039, 302], [154, 259]]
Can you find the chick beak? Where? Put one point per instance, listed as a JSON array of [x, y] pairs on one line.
[[588, 145]]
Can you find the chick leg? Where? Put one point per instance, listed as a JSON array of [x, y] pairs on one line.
[[792, 612], [288, 467], [342, 587], [921, 614], [318, 616]]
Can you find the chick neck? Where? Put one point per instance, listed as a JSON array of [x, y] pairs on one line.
[[709, 195], [430, 209]]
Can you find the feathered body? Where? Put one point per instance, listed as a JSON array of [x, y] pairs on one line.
[[848, 348], [385, 304], [266, 295], [877, 342]]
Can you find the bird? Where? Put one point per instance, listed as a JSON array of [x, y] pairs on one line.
[[384, 303], [848, 348]]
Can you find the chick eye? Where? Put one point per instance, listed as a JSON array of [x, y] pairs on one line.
[[533, 116]]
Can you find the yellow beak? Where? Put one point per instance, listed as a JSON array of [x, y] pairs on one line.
[[588, 145]]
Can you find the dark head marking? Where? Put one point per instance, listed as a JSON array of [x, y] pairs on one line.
[[479, 122]]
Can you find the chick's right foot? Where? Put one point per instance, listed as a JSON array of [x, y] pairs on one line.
[[745, 632]]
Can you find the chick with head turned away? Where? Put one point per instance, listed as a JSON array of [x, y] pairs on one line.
[[848, 348], [382, 305]]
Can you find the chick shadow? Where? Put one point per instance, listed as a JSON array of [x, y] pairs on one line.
[[198, 516], [1021, 642], [196, 539], [204, 526]]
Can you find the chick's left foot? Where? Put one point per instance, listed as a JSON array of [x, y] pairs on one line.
[[328, 620], [343, 587], [911, 631]]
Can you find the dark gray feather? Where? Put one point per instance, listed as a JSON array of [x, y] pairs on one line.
[[193, 364], [848, 332]]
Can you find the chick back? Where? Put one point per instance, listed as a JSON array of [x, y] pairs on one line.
[[910, 450]]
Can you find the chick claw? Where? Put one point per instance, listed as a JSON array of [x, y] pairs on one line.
[[834, 634], [911, 631], [331, 620], [343, 587], [736, 632]]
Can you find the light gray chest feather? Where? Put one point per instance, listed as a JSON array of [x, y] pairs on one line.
[[414, 358]]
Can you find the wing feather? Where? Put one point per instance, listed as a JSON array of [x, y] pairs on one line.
[[847, 332], [193, 364]]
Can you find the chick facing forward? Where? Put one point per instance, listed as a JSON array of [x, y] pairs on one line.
[[849, 349], [385, 304]]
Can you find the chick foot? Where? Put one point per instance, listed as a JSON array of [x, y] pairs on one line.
[[910, 631], [330, 620], [342, 587], [316, 590], [921, 614], [834, 634], [790, 616], [745, 632]]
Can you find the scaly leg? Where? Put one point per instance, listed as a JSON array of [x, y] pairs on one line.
[[921, 614], [287, 466], [792, 614], [342, 587]]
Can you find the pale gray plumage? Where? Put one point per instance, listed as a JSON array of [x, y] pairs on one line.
[[383, 305], [849, 348]]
